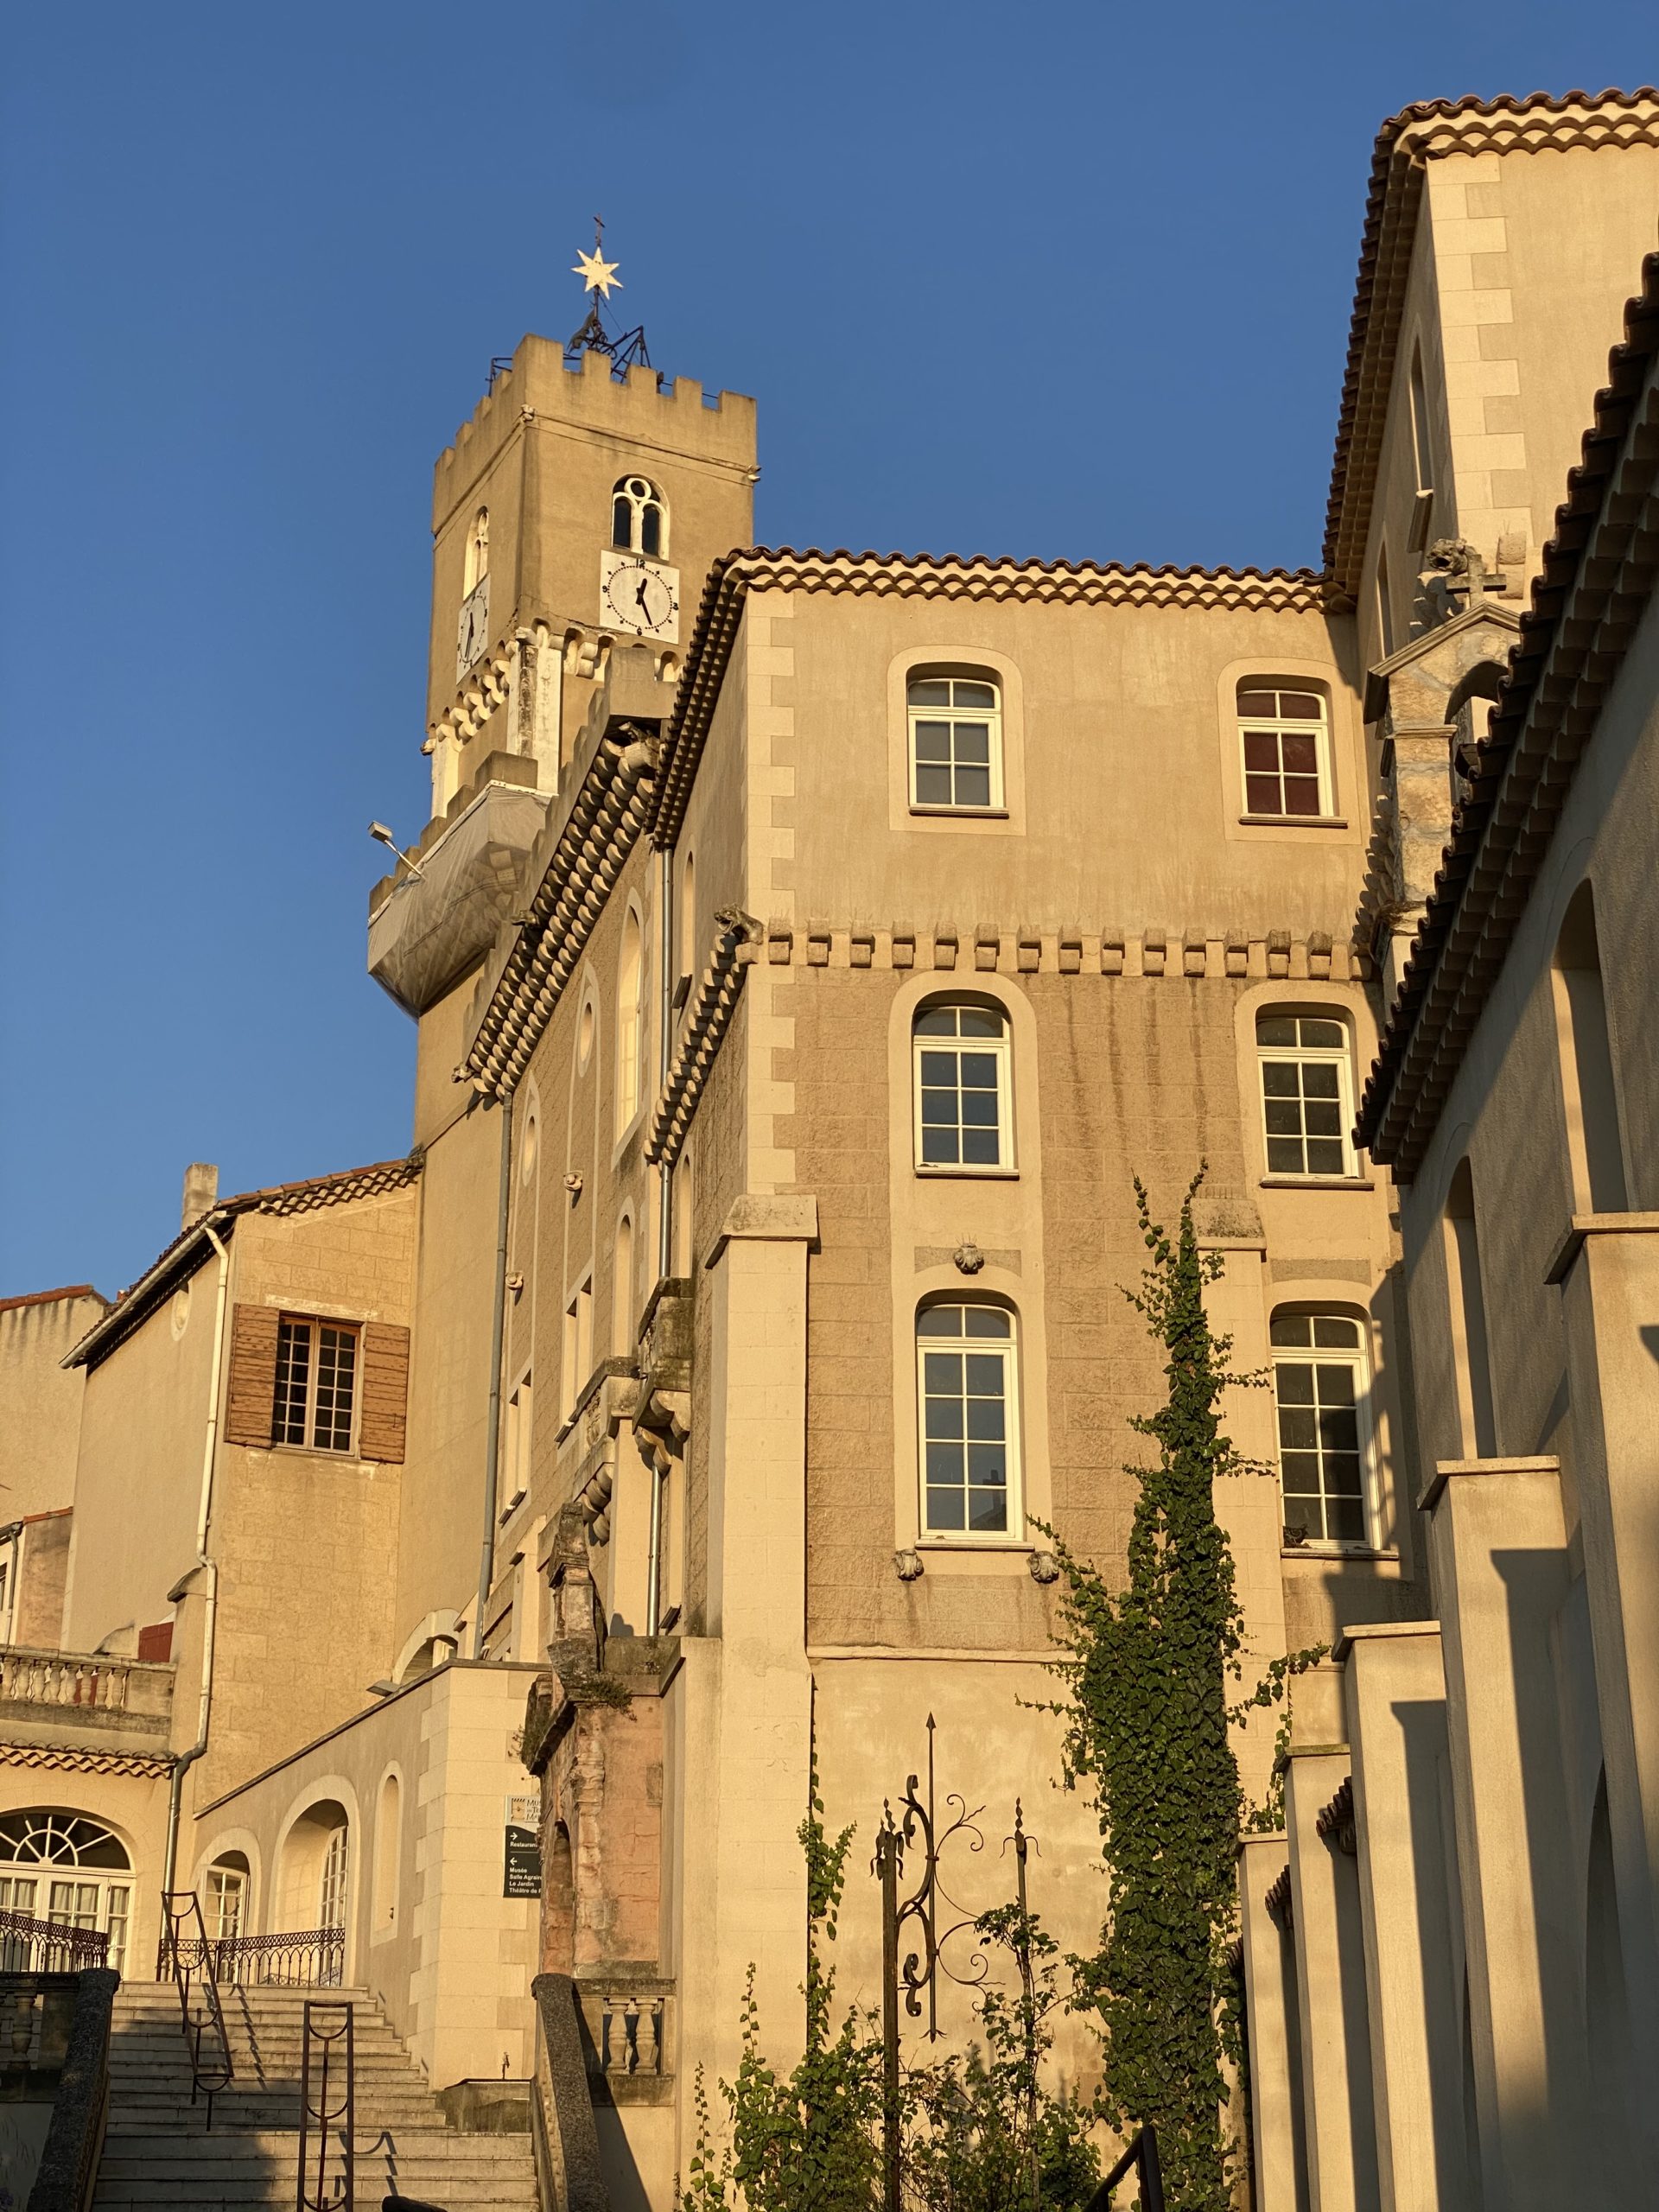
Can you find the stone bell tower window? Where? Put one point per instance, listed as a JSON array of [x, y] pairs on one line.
[[478, 551], [639, 518]]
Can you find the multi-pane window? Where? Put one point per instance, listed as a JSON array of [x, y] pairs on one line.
[[955, 743], [1306, 1108], [966, 1363], [1286, 738], [61, 1867], [962, 1087], [316, 1385], [1320, 1384], [638, 516]]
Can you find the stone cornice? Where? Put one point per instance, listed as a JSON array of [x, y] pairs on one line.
[[950, 576], [1599, 572], [1427, 132], [989, 948], [590, 849]]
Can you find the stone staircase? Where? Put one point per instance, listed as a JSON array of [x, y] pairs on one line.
[[159, 2150]]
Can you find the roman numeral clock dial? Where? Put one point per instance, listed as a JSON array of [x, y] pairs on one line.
[[641, 597]]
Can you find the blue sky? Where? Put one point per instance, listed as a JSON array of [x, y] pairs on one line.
[[1067, 280]]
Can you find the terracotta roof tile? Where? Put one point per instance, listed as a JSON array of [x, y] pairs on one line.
[[47, 1297]]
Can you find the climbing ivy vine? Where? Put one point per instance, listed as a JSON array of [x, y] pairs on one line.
[[1146, 1720]]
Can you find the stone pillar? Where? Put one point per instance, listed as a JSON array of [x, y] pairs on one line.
[[1395, 1695], [1498, 1555], [1331, 1989], [747, 1716], [1610, 1294], [1276, 2118]]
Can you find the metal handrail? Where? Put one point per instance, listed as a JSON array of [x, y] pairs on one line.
[[329, 2046], [1141, 2154], [207, 2077], [63, 1948], [308, 1958]]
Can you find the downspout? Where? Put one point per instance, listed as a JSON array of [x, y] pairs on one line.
[[497, 1337], [210, 1616]]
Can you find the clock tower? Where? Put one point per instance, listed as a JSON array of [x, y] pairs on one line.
[[577, 512]]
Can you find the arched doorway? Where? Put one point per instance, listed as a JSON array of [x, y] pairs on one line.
[[313, 1882], [59, 1866]]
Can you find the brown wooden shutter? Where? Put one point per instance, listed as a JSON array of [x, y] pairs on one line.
[[381, 1425], [250, 1409]]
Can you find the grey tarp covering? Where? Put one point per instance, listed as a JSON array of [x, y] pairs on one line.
[[429, 931]]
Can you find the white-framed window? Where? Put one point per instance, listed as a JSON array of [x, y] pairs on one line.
[[61, 1866], [955, 743], [1284, 731], [332, 1883], [967, 1384], [1306, 1093], [224, 1899], [964, 1103], [639, 518], [1321, 1389], [316, 1385]]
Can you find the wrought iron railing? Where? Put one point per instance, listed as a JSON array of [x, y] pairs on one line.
[[29, 1946], [1142, 2154], [327, 2107], [308, 1958], [211, 2068]]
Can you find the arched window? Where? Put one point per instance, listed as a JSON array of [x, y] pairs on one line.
[[967, 1389], [963, 1101], [630, 1021], [687, 963], [639, 517], [1472, 1373], [1284, 731], [1321, 1389], [1307, 1093], [1588, 1089], [61, 1866], [956, 742], [477, 550]]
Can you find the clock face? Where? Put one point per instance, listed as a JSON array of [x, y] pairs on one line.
[[641, 597], [472, 631]]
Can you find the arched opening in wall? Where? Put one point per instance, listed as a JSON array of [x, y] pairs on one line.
[[388, 1857], [1607, 2018], [477, 550], [683, 1222], [1423, 451], [630, 1025], [558, 1904], [686, 963], [1589, 1090], [1471, 1358], [58, 1864], [639, 518], [313, 1880], [224, 1896], [622, 1289]]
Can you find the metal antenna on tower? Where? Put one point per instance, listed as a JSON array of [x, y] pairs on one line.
[[621, 348]]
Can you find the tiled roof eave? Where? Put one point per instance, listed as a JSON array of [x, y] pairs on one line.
[[1426, 132], [1600, 570], [931, 576]]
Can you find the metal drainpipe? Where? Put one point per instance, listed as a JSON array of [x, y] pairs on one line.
[[210, 1617], [497, 1337]]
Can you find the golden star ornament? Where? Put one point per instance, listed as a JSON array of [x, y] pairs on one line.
[[597, 274]]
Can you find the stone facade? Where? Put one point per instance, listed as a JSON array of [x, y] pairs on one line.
[[629, 1535]]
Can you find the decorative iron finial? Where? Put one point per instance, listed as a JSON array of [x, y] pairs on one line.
[[599, 280]]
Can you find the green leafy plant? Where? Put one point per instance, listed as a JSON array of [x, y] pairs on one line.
[[1146, 1721]]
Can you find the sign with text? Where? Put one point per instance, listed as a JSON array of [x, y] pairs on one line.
[[521, 1874]]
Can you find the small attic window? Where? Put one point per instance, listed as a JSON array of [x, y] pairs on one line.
[[639, 518]]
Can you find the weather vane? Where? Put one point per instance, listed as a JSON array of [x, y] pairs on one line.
[[599, 280]]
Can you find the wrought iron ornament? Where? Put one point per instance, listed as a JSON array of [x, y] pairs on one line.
[[622, 348]]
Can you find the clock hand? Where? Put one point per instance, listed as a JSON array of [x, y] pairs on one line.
[[639, 599]]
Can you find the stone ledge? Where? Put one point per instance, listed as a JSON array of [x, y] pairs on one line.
[[1585, 1225], [766, 1221], [1434, 1489]]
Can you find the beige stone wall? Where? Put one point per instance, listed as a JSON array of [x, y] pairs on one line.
[[39, 1401]]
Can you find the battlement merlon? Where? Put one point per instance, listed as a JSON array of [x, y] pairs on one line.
[[645, 409]]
